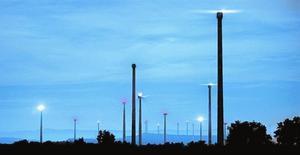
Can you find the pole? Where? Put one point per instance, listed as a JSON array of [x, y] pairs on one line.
[[193, 129], [140, 120], [220, 81], [209, 114], [225, 132], [157, 129], [133, 132], [74, 130], [41, 128], [187, 128], [200, 131], [124, 123], [146, 126], [165, 128], [177, 129]]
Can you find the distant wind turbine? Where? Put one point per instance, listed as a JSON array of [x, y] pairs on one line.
[[209, 110], [41, 108], [165, 127], [75, 121], [133, 127], [140, 97], [124, 102]]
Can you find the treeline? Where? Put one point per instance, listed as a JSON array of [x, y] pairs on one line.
[[244, 137]]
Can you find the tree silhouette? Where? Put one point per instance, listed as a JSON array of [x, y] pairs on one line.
[[79, 141], [248, 133], [288, 132], [21, 142], [105, 137]]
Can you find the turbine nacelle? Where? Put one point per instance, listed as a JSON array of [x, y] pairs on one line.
[[124, 100]]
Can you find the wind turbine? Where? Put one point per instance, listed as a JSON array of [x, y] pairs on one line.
[[225, 132], [133, 131], [98, 126], [209, 111], [146, 126], [140, 97], [177, 128], [187, 127], [124, 101], [157, 126], [220, 75], [220, 13], [200, 119], [193, 131], [41, 108], [165, 127], [75, 122]]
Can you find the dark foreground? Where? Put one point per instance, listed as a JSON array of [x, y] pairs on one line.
[[119, 148]]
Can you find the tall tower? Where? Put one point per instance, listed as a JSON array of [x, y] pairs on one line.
[[165, 127], [124, 119], [75, 121], [133, 131], [209, 114], [177, 128], [220, 82], [140, 118], [146, 126]]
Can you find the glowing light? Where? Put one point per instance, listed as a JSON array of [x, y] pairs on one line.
[[140, 94], [41, 107], [200, 119], [224, 11], [211, 84]]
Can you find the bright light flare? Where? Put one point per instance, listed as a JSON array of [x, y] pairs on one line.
[[41, 107], [211, 84], [200, 119], [224, 11], [140, 94]]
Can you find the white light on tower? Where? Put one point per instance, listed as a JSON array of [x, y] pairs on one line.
[[140, 97], [140, 94], [41, 108], [200, 119]]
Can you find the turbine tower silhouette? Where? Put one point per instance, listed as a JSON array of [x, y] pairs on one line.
[[140, 96], [75, 121], [133, 131], [220, 81], [165, 127], [124, 101]]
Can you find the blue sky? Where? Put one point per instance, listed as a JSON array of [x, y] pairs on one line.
[[76, 56]]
